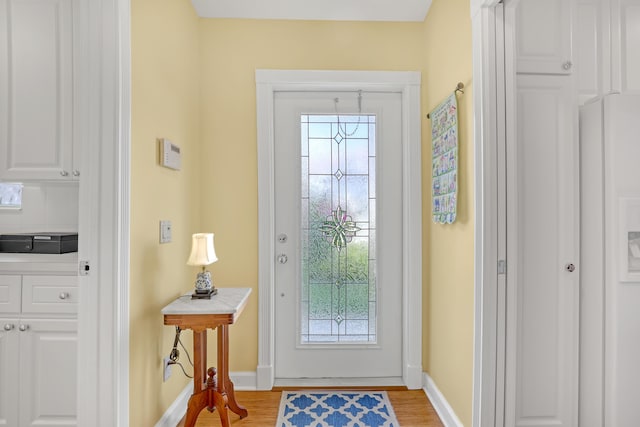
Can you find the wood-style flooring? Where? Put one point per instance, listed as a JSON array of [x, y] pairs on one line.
[[412, 409]]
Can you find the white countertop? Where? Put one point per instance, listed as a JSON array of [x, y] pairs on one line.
[[227, 301], [26, 263]]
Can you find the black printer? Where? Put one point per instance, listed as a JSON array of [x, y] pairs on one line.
[[39, 243]]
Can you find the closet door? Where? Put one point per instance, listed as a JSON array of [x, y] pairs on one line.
[[542, 255], [543, 36]]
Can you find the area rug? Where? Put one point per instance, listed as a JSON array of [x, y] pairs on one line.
[[336, 409]]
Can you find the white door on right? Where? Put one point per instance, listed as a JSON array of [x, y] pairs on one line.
[[542, 291]]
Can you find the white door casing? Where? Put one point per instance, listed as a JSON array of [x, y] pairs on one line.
[[408, 83], [294, 357]]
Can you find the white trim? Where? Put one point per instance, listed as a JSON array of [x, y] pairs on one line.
[[408, 83], [176, 412], [440, 404], [245, 381], [121, 374], [486, 225], [340, 382], [103, 309]]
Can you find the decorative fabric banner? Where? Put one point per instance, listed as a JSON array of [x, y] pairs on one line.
[[444, 137]]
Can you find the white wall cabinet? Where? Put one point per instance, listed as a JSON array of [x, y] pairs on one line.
[[38, 137], [38, 351], [543, 36]]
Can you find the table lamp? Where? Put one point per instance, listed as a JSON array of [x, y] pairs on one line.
[[203, 254]]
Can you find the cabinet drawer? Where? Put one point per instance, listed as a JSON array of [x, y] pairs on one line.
[[10, 294], [49, 294]]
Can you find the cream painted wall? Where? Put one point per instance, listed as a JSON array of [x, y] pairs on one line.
[[231, 52], [448, 249], [165, 103]]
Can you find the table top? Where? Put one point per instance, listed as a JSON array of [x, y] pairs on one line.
[[227, 301]]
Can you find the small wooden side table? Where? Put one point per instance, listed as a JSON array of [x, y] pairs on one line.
[[211, 389]]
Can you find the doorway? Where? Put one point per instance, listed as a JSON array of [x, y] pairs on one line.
[[272, 84]]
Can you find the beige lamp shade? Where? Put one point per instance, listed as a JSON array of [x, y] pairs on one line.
[[202, 250]]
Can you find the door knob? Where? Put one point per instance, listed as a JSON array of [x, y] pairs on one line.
[[570, 268], [23, 327], [8, 327], [282, 259]]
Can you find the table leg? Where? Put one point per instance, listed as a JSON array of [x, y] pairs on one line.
[[225, 386], [200, 397]]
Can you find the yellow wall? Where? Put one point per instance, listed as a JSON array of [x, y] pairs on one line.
[[194, 82], [165, 103], [231, 52], [448, 249]]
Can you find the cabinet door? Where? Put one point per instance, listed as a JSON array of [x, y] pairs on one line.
[[36, 89], [543, 36], [543, 236], [10, 300], [9, 372], [48, 365]]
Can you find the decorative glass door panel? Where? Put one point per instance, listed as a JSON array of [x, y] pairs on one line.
[[338, 295], [337, 236]]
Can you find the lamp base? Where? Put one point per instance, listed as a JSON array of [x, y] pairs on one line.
[[205, 294]]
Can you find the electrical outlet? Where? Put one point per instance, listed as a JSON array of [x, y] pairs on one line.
[[166, 369]]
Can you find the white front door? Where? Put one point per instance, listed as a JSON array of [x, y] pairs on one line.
[[338, 235]]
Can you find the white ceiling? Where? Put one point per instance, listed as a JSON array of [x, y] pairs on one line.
[[331, 10]]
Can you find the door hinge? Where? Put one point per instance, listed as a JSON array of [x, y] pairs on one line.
[[502, 266], [84, 268]]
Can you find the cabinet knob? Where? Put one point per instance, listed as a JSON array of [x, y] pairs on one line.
[[8, 327], [63, 295], [64, 173], [23, 327], [76, 172], [570, 267], [567, 65]]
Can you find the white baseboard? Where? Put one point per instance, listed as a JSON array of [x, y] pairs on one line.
[[245, 381], [440, 404], [177, 410], [339, 382]]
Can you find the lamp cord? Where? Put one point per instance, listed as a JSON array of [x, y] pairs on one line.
[[174, 355]]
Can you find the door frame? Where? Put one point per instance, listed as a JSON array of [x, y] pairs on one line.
[[408, 84], [490, 223], [103, 229]]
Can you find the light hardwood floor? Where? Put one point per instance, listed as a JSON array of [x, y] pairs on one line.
[[412, 409]]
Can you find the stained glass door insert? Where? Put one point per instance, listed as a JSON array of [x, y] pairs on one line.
[[338, 229]]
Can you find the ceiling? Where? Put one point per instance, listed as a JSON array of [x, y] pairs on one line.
[[326, 10]]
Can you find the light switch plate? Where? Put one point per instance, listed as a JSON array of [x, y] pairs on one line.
[[165, 231]]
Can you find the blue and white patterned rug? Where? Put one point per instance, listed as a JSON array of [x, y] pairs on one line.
[[336, 409]]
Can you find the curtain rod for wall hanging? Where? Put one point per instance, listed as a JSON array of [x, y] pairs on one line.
[[459, 88]]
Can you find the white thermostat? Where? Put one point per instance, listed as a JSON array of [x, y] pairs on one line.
[[169, 154]]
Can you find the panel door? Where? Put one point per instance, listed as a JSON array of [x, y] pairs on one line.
[[542, 256], [36, 89], [48, 365], [9, 374], [543, 36]]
